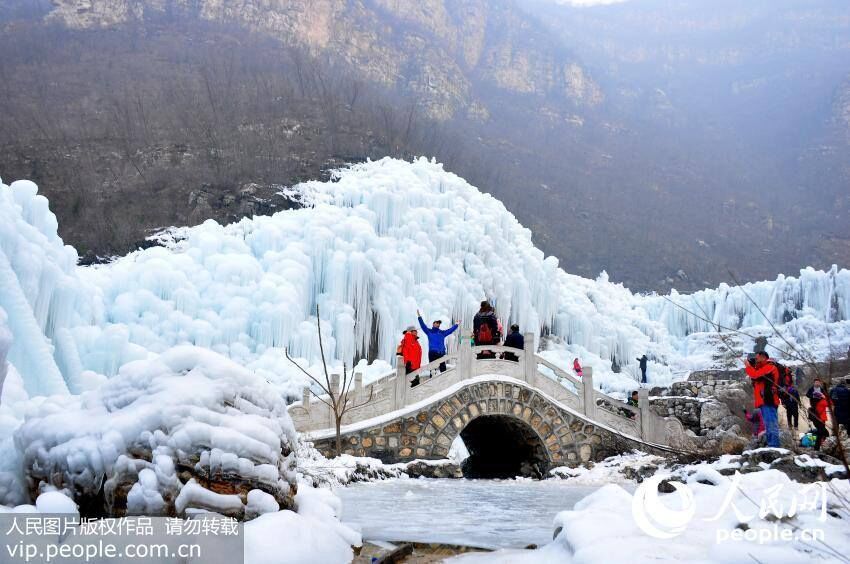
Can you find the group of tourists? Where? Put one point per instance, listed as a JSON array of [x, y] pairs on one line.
[[774, 385], [411, 351], [486, 330]]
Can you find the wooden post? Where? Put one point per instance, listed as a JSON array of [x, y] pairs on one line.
[[588, 395], [528, 359], [645, 418], [400, 384]]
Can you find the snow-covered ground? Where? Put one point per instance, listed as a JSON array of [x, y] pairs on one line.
[[753, 517]]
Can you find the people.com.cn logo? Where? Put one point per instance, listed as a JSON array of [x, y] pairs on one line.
[[654, 517]]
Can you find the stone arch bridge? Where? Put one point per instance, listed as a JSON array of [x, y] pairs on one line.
[[518, 417]]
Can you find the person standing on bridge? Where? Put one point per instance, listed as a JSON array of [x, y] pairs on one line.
[[436, 339], [411, 353], [514, 340], [642, 361], [485, 328]]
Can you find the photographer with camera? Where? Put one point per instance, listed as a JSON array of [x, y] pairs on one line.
[[765, 377]]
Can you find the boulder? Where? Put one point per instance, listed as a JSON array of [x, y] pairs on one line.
[[712, 414], [732, 443], [433, 469], [639, 473]]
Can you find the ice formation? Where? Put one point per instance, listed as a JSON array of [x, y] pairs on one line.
[[188, 410], [375, 243], [121, 378]]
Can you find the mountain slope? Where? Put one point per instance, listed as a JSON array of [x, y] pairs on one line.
[[665, 158]]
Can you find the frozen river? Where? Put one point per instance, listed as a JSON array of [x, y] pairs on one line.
[[482, 513]]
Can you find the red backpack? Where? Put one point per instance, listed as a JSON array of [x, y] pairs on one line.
[[485, 335]]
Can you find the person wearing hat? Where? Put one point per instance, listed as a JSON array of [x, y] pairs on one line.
[[436, 339], [514, 340], [411, 352]]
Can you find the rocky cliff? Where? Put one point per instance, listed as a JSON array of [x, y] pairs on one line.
[[443, 51]]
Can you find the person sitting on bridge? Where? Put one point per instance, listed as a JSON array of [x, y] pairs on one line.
[[485, 329], [411, 353], [577, 367], [514, 340], [436, 339]]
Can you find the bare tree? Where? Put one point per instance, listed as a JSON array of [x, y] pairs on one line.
[[339, 399]]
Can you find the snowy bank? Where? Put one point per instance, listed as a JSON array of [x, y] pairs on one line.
[[706, 517]]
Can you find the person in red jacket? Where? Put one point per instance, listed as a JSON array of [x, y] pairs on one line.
[[764, 377], [818, 404], [577, 367], [411, 353]]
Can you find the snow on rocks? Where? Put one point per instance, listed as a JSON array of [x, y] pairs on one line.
[[723, 517], [186, 429], [616, 469]]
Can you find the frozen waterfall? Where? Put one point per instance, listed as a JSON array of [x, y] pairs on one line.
[[373, 244]]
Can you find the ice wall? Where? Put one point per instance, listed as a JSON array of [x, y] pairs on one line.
[[375, 243], [41, 293], [381, 240], [5, 343], [824, 296]]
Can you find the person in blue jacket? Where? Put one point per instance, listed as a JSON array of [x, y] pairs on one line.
[[436, 339]]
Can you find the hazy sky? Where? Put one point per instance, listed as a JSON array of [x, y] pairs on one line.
[[589, 2]]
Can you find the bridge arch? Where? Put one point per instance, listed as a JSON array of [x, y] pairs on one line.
[[503, 446], [553, 436]]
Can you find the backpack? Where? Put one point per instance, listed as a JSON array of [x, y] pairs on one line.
[[808, 440], [785, 377], [485, 335], [769, 391]]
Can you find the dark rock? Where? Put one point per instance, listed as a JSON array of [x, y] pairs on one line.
[[666, 487], [640, 473], [420, 468]]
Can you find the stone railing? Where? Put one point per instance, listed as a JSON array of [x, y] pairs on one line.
[[393, 392]]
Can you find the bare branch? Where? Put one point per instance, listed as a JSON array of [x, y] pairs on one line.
[[322, 353], [311, 377], [371, 392]]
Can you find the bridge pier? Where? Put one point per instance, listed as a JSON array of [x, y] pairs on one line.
[[588, 393], [400, 391], [647, 427], [529, 361], [358, 387]]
